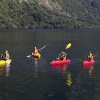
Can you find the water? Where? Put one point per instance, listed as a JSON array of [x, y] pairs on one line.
[[29, 79]]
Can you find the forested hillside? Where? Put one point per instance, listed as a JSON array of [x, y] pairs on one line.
[[18, 14]]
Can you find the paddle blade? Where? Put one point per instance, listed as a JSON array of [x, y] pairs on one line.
[[95, 56], [80, 60], [43, 47], [68, 46], [29, 56]]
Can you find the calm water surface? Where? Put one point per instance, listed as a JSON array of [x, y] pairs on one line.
[[31, 79]]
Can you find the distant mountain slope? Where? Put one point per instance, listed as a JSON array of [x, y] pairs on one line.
[[82, 8], [49, 14]]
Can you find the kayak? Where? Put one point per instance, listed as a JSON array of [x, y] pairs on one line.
[[36, 55], [4, 62], [88, 63], [60, 62]]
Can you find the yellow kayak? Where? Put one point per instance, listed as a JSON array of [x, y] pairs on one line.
[[37, 55], [4, 62]]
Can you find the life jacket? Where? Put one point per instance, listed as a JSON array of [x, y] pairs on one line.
[[35, 51], [89, 57], [7, 56], [63, 57]]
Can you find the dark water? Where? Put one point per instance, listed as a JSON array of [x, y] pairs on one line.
[[29, 79]]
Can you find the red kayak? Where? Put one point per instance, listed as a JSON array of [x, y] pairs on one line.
[[88, 63], [60, 62]]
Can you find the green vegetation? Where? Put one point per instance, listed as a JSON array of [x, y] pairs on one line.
[[74, 14]]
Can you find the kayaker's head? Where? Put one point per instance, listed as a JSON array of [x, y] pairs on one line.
[[90, 53], [6, 51], [35, 48], [62, 51]]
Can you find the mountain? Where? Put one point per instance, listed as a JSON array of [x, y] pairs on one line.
[[32, 14]]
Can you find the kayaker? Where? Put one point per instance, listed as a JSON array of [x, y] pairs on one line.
[[1, 56], [63, 56], [89, 56], [6, 55], [35, 51]]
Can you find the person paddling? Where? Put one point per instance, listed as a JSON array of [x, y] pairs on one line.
[[35, 51], [89, 56], [1, 56], [6, 55], [63, 55]]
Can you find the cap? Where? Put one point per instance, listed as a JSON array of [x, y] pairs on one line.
[[89, 53], [6, 50]]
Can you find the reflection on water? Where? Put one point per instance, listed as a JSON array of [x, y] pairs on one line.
[[8, 69], [2, 69], [68, 80], [36, 62], [67, 74], [64, 68], [91, 70], [5, 70]]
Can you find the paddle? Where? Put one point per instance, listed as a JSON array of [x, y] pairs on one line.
[[43, 47], [94, 56], [40, 49], [68, 45]]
